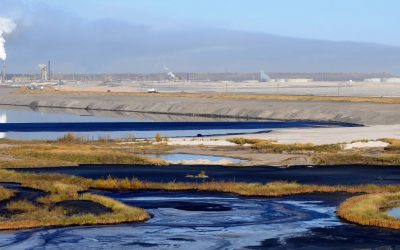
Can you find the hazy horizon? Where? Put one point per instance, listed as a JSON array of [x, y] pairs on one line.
[[143, 36]]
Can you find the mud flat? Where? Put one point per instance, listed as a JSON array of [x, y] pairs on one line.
[[315, 136]]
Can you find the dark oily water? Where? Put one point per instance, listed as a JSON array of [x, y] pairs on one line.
[[151, 126], [188, 220], [323, 175], [49, 126]]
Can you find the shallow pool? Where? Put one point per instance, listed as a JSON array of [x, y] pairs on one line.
[[193, 159], [395, 212]]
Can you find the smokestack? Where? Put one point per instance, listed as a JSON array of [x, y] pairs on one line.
[[3, 73], [49, 72]]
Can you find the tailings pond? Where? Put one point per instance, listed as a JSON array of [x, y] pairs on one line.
[[323, 175], [50, 124], [189, 220], [198, 220]]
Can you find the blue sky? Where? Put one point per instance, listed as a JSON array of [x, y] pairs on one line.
[[374, 21]]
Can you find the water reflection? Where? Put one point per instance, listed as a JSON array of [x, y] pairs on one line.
[[395, 212], [26, 115], [196, 159], [40, 119], [3, 119]]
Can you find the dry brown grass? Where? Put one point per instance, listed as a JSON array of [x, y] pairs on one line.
[[23, 205], [46, 216], [370, 210], [356, 158], [243, 141], [72, 151], [269, 146], [5, 193], [252, 97], [329, 154], [272, 189], [61, 188], [394, 145]]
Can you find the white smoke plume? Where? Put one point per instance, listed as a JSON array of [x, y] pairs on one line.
[[6, 27]]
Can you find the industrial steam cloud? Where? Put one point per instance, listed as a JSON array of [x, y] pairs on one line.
[[6, 27]]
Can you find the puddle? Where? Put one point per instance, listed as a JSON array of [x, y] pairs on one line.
[[197, 159], [394, 212]]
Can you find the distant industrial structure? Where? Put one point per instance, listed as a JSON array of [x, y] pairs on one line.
[[170, 75], [43, 72], [4, 72], [385, 80], [264, 77], [45, 76]]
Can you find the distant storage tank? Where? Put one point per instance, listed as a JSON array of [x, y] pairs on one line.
[[373, 80], [391, 80], [299, 80]]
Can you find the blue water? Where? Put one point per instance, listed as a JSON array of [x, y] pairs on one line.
[[395, 212], [193, 157], [11, 116]]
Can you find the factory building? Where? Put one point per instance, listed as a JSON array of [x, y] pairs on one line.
[[391, 80], [299, 80], [22, 79], [43, 72], [373, 80]]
